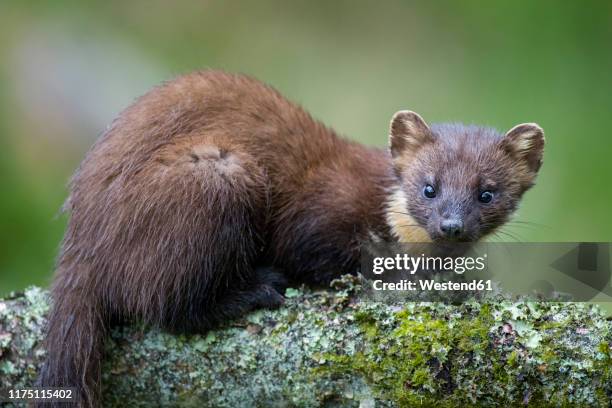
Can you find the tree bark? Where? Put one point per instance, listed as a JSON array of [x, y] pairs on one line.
[[331, 348]]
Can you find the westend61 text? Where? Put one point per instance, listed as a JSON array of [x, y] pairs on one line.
[[431, 285]]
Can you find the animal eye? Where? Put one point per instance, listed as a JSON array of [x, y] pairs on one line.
[[429, 191], [485, 197]]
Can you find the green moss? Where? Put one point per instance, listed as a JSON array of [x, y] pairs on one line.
[[333, 349], [478, 354]]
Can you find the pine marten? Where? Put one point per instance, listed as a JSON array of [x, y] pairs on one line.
[[210, 192]]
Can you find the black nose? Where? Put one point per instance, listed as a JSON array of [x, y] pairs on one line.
[[452, 228]]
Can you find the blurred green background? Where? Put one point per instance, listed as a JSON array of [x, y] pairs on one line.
[[68, 67]]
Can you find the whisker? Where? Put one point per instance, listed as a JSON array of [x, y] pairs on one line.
[[496, 235], [529, 227], [528, 223], [512, 236]]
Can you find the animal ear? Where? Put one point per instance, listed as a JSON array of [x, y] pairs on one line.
[[525, 143], [408, 132]]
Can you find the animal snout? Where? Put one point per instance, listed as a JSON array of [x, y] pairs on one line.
[[451, 228]]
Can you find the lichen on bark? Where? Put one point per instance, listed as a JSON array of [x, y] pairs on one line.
[[332, 348]]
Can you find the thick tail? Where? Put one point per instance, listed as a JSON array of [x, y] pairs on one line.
[[76, 331]]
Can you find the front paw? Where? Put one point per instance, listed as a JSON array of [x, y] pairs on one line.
[[273, 277], [267, 297]]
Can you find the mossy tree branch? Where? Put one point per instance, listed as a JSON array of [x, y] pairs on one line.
[[328, 348]]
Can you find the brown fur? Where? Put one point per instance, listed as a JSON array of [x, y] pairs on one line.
[[211, 190]]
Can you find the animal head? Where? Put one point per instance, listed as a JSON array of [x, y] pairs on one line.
[[458, 182]]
